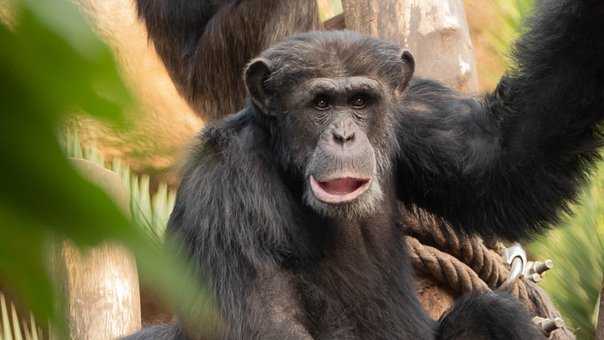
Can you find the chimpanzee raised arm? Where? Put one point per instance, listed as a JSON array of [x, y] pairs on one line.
[[507, 164]]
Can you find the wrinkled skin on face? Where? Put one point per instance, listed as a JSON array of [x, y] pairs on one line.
[[333, 123], [342, 169]]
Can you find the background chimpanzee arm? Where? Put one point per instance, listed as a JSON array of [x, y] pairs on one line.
[[205, 44], [507, 164], [235, 219]]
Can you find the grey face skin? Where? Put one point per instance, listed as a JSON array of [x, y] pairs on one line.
[[341, 175], [334, 114], [332, 118]]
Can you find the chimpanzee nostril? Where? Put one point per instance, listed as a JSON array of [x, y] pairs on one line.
[[343, 136]]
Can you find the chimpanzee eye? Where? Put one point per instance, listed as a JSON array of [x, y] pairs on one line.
[[358, 101], [322, 103]]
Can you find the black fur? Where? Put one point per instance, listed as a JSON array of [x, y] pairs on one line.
[[508, 163], [205, 44], [487, 317], [502, 165], [159, 332]]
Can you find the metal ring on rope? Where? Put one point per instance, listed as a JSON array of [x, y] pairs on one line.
[[465, 264]]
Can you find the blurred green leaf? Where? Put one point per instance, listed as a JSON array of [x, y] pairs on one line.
[[23, 261], [43, 78], [64, 19], [52, 65], [512, 15], [329, 8], [577, 249], [11, 328]]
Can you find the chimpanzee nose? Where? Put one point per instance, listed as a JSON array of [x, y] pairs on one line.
[[343, 134]]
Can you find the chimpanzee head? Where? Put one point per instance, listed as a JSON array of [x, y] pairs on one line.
[[330, 101]]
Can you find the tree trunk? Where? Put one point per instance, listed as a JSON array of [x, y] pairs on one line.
[[101, 285], [435, 31]]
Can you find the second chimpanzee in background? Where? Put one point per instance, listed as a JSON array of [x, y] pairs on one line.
[[289, 209], [205, 44]]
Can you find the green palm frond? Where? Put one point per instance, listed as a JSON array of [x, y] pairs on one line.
[[577, 249], [150, 210], [513, 14], [11, 328]]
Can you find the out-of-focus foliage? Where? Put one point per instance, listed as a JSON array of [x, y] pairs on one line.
[[51, 65], [42, 78], [329, 8], [576, 246], [11, 327], [149, 210], [512, 14], [577, 249]]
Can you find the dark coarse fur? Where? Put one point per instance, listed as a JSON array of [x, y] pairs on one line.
[[492, 312], [502, 165], [508, 163], [205, 44]]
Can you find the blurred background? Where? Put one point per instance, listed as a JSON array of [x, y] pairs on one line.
[[81, 79]]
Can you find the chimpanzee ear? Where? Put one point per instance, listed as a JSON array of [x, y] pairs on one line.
[[408, 69], [256, 74]]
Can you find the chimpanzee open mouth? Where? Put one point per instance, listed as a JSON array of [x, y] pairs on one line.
[[339, 190]]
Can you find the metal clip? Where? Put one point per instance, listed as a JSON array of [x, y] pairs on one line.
[[515, 257]]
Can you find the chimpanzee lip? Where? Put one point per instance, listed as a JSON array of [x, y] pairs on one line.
[[340, 189]]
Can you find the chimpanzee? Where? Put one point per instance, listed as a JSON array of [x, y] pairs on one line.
[[194, 36], [289, 208]]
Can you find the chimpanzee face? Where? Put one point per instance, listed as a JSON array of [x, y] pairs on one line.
[[333, 118], [334, 125]]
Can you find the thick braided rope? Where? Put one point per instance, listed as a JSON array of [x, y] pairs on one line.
[[440, 252], [466, 264], [444, 268], [451, 272]]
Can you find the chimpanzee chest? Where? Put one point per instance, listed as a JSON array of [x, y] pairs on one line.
[[362, 289]]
